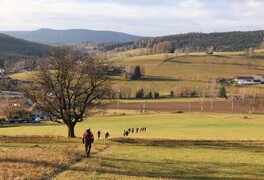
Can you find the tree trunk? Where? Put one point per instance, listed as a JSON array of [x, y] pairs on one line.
[[71, 130]]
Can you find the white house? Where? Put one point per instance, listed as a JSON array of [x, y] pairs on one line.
[[40, 114], [244, 80], [249, 80], [110, 68], [261, 80], [11, 94], [2, 71]]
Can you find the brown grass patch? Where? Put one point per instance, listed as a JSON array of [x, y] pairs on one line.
[[37, 157]]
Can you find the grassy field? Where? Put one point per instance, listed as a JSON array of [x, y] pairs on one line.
[[175, 146], [39, 157], [184, 146], [197, 66], [168, 126], [180, 71], [184, 160], [191, 71]]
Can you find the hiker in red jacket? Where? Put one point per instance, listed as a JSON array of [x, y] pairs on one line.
[[88, 139]]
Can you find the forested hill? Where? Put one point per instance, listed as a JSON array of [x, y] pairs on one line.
[[193, 42], [52, 36], [15, 49]]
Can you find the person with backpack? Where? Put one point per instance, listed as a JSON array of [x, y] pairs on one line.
[[88, 139]]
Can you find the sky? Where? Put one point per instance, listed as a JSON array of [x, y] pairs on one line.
[[137, 17]]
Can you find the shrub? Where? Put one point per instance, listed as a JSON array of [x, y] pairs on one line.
[[140, 93], [137, 73], [156, 95], [193, 94], [222, 92], [172, 94]]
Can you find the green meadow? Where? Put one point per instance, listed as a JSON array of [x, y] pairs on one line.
[[175, 146], [168, 126]]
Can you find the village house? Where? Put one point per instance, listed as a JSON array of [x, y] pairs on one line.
[[249, 80], [11, 94], [2, 71]]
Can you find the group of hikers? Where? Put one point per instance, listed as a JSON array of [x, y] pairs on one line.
[[131, 130], [107, 135], [88, 139]]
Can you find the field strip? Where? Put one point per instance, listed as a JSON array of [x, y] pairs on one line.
[[84, 168]]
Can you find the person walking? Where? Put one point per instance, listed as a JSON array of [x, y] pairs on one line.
[[87, 140], [107, 135], [99, 134]]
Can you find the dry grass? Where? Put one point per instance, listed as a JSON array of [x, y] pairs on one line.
[[36, 157], [87, 169]]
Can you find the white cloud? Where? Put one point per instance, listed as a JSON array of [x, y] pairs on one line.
[[140, 17]]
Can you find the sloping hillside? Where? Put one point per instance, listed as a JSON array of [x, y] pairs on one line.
[[14, 49], [193, 42], [50, 36], [10, 45]]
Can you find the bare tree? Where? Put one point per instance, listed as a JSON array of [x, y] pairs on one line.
[[210, 50], [186, 50], [262, 44], [202, 93], [69, 87], [17, 112], [256, 101], [212, 94], [249, 52], [243, 100], [232, 102]]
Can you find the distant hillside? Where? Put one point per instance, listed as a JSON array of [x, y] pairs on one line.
[[12, 49], [192, 42], [50, 36]]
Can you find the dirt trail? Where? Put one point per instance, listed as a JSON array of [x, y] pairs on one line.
[[85, 168]]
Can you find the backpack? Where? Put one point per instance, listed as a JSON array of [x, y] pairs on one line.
[[88, 137]]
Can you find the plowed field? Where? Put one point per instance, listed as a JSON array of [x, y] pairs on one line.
[[216, 106]]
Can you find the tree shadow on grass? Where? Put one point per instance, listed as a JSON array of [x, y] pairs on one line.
[[185, 169], [157, 78], [12, 125], [31, 161], [175, 169], [3, 127], [37, 139], [221, 56], [252, 146], [180, 62], [257, 57]]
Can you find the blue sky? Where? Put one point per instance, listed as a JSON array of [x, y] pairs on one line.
[[138, 17]]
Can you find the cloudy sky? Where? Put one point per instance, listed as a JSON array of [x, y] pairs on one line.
[[138, 17]]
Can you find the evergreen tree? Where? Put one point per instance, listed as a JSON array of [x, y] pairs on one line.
[[156, 95], [172, 94], [222, 92], [149, 94], [193, 93], [137, 73], [140, 93]]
